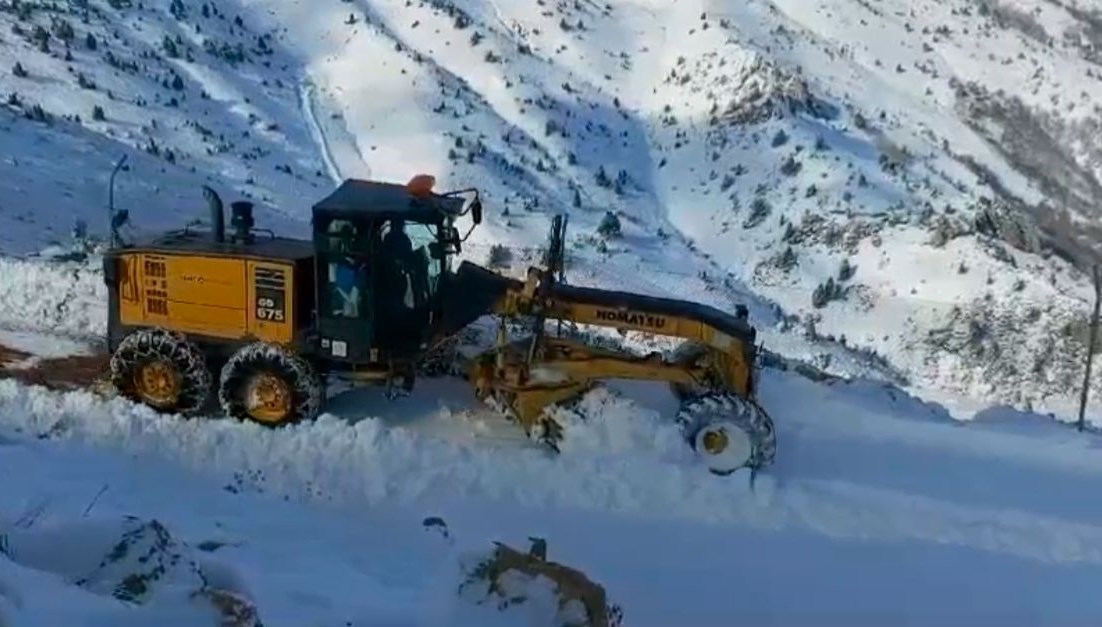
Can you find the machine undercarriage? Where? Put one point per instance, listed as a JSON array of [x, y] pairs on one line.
[[726, 430]]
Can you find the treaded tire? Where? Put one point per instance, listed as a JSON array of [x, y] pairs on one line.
[[264, 358], [145, 346], [745, 415]]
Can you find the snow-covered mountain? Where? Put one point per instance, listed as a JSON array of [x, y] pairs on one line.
[[853, 184], [83, 87], [870, 178], [897, 190]]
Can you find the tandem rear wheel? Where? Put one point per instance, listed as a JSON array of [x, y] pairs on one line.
[[270, 385], [261, 382], [163, 370]]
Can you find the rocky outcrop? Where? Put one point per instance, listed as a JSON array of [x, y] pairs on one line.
[[997, 219], [136, 563], [762, 91], [1013, 351]]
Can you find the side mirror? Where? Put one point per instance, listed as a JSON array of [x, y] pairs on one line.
[[476, 211]]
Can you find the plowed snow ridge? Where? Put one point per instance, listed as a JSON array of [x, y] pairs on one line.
[[306, 97], [623, 459]]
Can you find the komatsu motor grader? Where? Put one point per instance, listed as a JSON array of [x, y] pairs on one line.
[[373, 297]]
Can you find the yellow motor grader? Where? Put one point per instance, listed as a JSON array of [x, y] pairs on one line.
[[373, 297]]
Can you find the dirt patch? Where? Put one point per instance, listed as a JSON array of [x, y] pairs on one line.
[[56, 373], [10, 356]]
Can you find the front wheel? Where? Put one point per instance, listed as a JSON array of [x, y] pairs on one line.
[[728, 432], [270, 385]]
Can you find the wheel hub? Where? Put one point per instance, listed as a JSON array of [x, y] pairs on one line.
[[715, 441], [158, 384], [268, 398], [724, 446]]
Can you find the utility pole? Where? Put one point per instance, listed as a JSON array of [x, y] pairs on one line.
[[1090, 348]]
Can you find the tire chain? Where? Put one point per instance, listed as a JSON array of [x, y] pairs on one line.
[[156, 344], [306, 386]]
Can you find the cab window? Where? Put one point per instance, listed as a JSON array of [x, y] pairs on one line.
[[404, 250], [347, 270]]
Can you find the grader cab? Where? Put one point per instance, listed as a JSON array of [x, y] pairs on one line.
[[373, 294]]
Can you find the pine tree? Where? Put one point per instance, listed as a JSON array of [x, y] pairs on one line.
[[610, 225], [170, 48]]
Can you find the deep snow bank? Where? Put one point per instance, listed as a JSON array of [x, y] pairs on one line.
[[869, 514], [74, 556], [849, 468]]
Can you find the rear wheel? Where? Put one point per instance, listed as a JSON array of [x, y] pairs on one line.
[[270, 385], [728, 432], [163, 370]]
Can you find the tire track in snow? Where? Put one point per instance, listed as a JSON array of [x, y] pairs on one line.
[[307, 89]]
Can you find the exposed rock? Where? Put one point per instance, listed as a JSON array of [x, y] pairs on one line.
[[132, 560], [997, 219], [814, 228], [944, 229], [763, 91], [1032, 350], [233, 609]]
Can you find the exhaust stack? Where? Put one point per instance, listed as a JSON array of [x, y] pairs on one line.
[[217, 218]]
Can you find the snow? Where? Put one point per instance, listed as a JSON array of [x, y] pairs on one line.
[[63, 299], [928, 487], [871, 512], [631, 90], [436, 93]]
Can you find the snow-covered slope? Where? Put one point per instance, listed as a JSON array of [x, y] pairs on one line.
[[186, 104], [851, 171], [839, 162], [753, 151]]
